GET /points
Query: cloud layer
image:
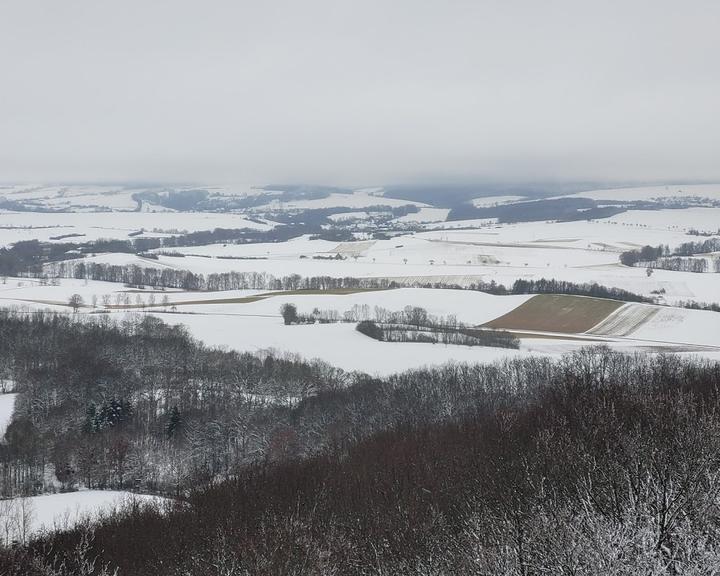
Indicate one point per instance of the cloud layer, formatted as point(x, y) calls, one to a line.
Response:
point(358, 92)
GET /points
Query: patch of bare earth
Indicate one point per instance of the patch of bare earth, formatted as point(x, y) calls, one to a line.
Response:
point(559, 313)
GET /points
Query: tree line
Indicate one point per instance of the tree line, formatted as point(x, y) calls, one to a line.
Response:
point(680, 259)
point(411, 324)
point(136, 275)
point(684, 264)
point(28, 257)
point(562, 210)
point(593, 289)
point(435, 334)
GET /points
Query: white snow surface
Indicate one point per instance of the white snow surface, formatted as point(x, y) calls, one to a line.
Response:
point(7, 407)
point(677, 286)
point(574, 251)
point(104, 197)
point(17, 226)
point(349, 216)
point(702, 219)
point(61, 511)
point(711, 191)
point(471, 307)
point(487, 201)
point(338, 344)
point(258, 326)
point(696, 327)
point(356, 199)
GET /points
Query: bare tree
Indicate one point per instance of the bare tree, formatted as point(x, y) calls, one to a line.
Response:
point(76, 302)
point(24, 515)
point(8, 520)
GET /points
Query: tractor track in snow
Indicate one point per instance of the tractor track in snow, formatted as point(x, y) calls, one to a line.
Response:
point(625, 320)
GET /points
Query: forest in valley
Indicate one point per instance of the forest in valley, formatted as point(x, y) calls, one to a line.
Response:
point(598, 463)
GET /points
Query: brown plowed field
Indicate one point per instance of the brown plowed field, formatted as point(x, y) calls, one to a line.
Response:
point(557, 313)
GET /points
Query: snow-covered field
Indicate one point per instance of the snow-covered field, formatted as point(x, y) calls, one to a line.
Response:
point(349, 216)
point(578, 252)
point(445, 252)
point(358, 199)
point(77, 197)
point(249, 320)
point(28, 516)
point(7, 406)
point(678, 325)
point(702, 219)
point(619, 233)
point(471, 307)
point(711, 191)
point(338, 344)
point(611, 235)
point(487, 201)
point(46, 227)
point(103, 197)
point(574, 251)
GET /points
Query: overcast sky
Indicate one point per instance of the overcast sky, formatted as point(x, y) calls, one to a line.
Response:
point(359, 93)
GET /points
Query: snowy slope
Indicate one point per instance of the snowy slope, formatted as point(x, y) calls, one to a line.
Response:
point(703, 219)
point(357, 199)
point(711, 191)
point(679, 325)
point(457, 264)
point(7, 407)
point(16, 226)
point(486, 201)
point(338, 344)
point(61, 511)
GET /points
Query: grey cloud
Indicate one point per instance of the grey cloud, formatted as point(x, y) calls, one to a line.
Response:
point(358, 92)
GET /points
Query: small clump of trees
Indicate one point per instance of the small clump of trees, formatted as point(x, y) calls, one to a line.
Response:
point(370, 329)
point(414, 324)
point(438, 334)
point(289, 313)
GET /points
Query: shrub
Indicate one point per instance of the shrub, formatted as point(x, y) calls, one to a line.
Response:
point(369, 328)
point(289, 313)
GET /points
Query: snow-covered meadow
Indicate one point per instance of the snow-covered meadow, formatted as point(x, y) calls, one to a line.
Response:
point(87, 227)
point(668, 191)
point(21, 519)
point(250, 320)
point(460, 253)
point(581, 252)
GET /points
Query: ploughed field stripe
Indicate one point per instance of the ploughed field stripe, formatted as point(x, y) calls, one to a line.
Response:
point(560, 313)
